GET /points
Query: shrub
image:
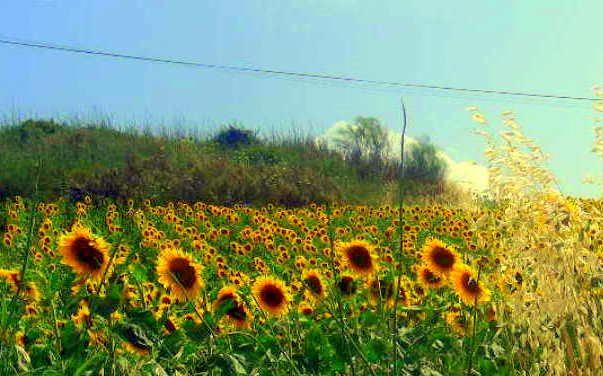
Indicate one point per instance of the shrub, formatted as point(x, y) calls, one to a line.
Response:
point(423, 163)
point(234, 136)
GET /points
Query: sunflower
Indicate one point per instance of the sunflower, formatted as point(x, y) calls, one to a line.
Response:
point(306, 308)
point(85, 253)
point(12, 278)
point(170, 324)
point(346, 285)
point(457, 322)
point(236, 312)
point(271, 295)
point(439, 257)
point(429, 279)
point(177, 271)
point(31, 292)
point(313, 281)
point(83, 315)
point(467, 287)
point(20, 338)
point(136, 348)
point(380, 291)
point(358, 256)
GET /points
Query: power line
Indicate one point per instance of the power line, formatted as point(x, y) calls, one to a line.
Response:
point(247, 69)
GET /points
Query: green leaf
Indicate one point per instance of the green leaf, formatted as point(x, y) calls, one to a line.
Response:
point(375, 349)
point(196, 333)
point(135, 335)
point(235, 364)
point(70, 338)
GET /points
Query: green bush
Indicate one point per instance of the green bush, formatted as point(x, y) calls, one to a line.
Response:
point(423, 163)
point(234, 136)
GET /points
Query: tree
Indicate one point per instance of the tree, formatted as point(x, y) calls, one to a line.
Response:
point(364, 143)
point(422, 163)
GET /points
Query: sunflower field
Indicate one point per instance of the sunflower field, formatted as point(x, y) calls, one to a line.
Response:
point(512, 284)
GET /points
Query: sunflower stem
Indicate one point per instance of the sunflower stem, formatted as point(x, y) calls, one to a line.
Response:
point(102, 281)
point(211, 331)
point(294, 367)
point(394, 333)
point(344, 328)
point(474, 312)
point(32, 220)
point(56, 327)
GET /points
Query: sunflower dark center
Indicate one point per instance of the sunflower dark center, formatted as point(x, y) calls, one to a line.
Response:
point(382, 289)
point(470, 284)
point(169, 326)
point(237, 312)
point(314, 284)
point(442, 257)
point(307, 311)
point(430, 277)
point(183, 272)
point(88, 254)
point(346, 285)
point(272, 296)
point(140, 346)
point(360, 257)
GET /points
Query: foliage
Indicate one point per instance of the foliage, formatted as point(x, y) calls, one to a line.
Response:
point(423, 163)
point(79, 159)
point(234, 136)
point(365, 144)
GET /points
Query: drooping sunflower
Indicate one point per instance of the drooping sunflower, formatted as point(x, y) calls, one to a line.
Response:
point(439, 257)
point(272, 295)
point(358, 255)
point(177, 271)
point(136, 348)
point(467, 287)
point(429, 279)
point(86, 253)
point(237, 312)
point(313, 281)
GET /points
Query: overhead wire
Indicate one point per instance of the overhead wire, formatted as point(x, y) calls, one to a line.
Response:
point(314, 78)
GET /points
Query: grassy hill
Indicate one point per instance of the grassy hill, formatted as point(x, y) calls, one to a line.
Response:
point(75, 160)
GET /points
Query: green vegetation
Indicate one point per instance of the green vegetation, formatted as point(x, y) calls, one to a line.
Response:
point(233, 166)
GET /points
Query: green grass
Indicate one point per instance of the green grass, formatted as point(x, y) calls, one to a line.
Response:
point(80, 158)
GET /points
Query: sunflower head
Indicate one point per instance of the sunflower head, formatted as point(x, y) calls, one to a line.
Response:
point(136, 348)
point(306, 308)
point(358, 255)
point(177, 271)
point(85, 253)
point(380, 290)
point(271, 295)
point(457, 322)
point(428, 279)
point(439, 257)
point(346, 285)
point(12, 277)
point(236, 311)
point(467, 287)
point(313, 281)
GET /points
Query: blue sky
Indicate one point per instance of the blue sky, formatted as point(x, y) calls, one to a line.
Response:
point(536, 46)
